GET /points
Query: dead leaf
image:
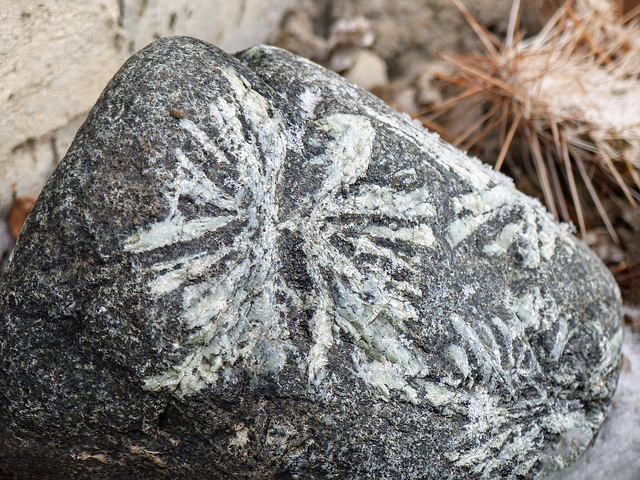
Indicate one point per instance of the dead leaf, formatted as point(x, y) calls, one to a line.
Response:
point(18, 213)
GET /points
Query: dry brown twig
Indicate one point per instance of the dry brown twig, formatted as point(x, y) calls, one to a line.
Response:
point(569, 95)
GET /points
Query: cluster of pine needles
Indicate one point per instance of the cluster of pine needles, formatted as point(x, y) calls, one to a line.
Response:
point(564, 103)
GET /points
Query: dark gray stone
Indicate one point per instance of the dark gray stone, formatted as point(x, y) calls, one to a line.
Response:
point(246, 267)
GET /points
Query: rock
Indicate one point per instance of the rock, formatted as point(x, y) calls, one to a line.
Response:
point(246, 267)
point(615, 452)
point(368, 70)
point(56, 57)
point(7, 241)
point(297, 33)
point(234, 25)
point(58, 54)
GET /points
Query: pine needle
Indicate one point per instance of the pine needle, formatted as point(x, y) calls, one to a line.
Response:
point(574, 188)
point(570, 93)
point(598, 203)
point(488, 40)
point(507, 142)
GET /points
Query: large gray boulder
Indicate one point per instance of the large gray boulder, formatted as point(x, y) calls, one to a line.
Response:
point(246, 267)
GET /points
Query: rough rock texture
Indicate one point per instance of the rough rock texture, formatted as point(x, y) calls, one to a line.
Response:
point(245, 267)
point(615, 453)
point(57, 55)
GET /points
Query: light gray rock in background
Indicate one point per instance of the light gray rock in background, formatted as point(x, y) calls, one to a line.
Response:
point(57, 55)
point(368, 71)
point(233, 25)
point(245, 267)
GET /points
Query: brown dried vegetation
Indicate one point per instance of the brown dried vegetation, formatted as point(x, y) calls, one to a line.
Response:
point(18, 213)
point(562, 109)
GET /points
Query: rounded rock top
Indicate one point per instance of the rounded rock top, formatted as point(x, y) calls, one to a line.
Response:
point(247, 267)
